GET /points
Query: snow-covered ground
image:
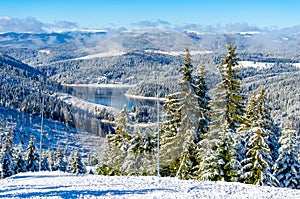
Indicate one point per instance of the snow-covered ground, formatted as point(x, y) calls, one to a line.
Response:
point(258, 65)
point(178, 53)
point(55, 134)
point(297, 65)
point(101, 85)
point(64, 185)
point(102, 54)
point(143, 97)
point(120, 52)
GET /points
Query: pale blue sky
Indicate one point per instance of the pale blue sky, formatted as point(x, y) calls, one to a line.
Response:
point(118, 13)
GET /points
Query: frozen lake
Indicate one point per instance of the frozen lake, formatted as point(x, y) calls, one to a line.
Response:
point(109, 95)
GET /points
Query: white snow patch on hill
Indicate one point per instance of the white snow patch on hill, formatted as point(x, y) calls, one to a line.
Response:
point(297, 65)
point(101, 85)
point(102, 54)
point(120, 53)
point(249, 33)
point(64, 185)
point(178, 53)
point(45, 51)
point(54, 133)
point(143, 97)
point(258, 65)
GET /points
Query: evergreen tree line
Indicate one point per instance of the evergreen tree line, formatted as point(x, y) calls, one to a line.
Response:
point(15, 160)
point(217, 137)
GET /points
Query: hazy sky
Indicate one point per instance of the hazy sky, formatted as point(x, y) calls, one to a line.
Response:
point(133, 13)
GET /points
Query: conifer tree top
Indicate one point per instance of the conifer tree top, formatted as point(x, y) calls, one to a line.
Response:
point(187, 68)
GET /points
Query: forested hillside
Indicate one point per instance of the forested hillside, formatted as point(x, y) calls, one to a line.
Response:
point(26, 89)
point(282, 83)
point(30, 91)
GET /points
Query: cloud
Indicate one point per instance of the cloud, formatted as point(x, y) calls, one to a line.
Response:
point(152, 24)
point(226, 28)
point(240, 27)
point(28, 24)
point(191, 26)
point(61, 25)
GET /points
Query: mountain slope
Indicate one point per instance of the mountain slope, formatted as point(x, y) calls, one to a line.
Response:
point(30, 91)
point(24, 126)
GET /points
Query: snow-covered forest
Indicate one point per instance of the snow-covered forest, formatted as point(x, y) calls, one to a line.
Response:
point(230, 115)
point(214, 137)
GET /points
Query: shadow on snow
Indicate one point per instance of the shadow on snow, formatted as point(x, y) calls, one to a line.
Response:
point(76, 193)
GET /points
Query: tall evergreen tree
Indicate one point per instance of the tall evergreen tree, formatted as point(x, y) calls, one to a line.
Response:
point(141, 157)
point(184, 123)
point(32, 158)
point(45, 163)
point(287, 166)
point(168, 131)
point(200, 87)
point(122, 122)
point(76, 165)
point(50, 160)
point(60, 160)
point(258, 110)
point(6, 157)
point(257, 165)
point(19, 159)
point(221, 160)
point(117, 145)
point(258, 119)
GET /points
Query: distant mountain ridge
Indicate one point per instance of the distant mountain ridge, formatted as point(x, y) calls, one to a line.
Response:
point(271, 41)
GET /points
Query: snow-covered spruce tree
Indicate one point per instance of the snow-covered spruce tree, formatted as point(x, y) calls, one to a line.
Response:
point(201, 91)
point(258, 119)
point(19, 159)
point(6, 157)
point(257, 165)
point(116, 147)
point(76, 165)
point(105, 165)
point(258, 114)
point(222, 159)
point(287, 166)
point(168, 132)
point(141, 156)
point(200, 87)
point(45, 163)
point(181, 130)
point(50, 160)
point(32, 157)
point(60, 162)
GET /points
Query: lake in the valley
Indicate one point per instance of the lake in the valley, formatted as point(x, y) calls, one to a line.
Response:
point(109, 95)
